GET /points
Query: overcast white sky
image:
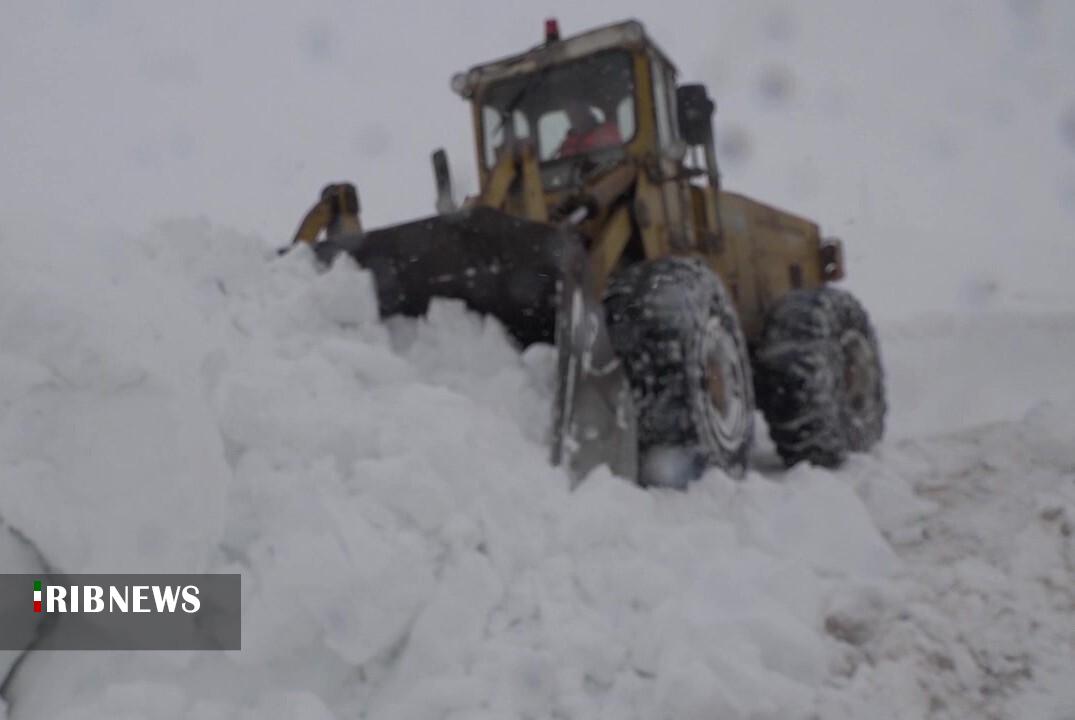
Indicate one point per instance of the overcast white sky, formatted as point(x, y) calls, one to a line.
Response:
point(936, 138)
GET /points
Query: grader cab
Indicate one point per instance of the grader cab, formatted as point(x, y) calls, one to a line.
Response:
point(601, 225)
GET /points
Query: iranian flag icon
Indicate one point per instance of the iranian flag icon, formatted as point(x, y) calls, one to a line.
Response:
point(37, 596)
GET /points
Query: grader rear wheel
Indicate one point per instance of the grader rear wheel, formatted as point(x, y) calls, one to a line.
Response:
point(819, 378)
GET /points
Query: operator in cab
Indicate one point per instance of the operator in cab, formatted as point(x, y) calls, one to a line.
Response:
point(587, 132)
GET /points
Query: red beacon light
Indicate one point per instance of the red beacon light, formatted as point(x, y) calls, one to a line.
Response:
point(552, 30)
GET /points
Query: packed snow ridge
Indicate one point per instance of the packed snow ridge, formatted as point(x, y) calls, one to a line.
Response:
point(186, 402)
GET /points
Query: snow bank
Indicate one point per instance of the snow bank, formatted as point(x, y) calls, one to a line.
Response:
point(953, 372)
point(183, 402)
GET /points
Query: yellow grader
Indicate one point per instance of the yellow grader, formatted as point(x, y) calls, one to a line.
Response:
point(601, 226)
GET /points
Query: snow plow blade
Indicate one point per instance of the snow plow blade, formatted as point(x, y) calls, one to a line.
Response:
point(534, 278)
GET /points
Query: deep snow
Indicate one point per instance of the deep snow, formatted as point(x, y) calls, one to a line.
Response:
point(178, 399)
point(407, 552)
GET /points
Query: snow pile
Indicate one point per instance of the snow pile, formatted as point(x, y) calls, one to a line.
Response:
point(182, 402)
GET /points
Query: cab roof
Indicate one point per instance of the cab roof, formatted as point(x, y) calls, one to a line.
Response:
point(628, 34)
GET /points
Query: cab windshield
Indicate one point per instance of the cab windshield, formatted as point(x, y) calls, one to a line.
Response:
point(579, 108)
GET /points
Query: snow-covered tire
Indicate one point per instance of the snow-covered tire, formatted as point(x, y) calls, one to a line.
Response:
point(818, 377)
point(677, 333)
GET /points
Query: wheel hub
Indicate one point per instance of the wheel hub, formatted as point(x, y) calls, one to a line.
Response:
point(715, 383)
point(724, 383)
